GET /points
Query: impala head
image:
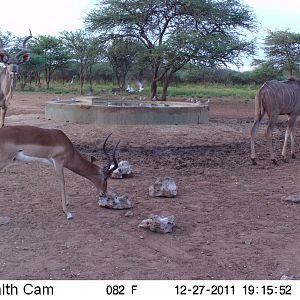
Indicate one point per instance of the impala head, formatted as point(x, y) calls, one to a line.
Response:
point(12, 62)
point(108, 168)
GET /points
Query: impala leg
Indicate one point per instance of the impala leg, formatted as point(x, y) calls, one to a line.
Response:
point(253, 134)
point(269, 132)
point(60, 173)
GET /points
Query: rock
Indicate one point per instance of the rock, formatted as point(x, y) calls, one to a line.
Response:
point(111, 200)
point(163, 188)
point(162, 224)
point(287, 277)
point(129, 214)
point(124, 170)
point(4, 220)
point(293, 198)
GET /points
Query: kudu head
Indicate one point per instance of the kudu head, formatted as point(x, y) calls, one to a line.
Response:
point(12, 62)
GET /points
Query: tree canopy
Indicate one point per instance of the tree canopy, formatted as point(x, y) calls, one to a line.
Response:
point(282, 49)
point(176, 32)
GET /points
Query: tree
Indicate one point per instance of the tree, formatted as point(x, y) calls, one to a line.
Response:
point(282, 49)
point(6, 37)
point(32, 70)
point(54, 54)
point(94, 53)
point(175, 32)
point(122, 56)
point(264, 71)
point(82, 50)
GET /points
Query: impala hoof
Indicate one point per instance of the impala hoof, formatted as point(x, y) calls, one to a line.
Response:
point(254, 163)
point(69, 216)
point(294, 156)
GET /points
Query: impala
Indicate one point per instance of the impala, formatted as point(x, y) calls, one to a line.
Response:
point(53, 147)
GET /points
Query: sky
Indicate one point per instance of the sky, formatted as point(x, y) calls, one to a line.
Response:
point(46, 17)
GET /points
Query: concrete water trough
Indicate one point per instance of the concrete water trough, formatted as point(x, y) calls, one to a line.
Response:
point(127, 112)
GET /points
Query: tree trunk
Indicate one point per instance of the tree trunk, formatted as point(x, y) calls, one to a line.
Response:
point(90, 79)
point(166, 81)
point(81, 78)
point(154, 82)
point(39, 80)
point(153, 90)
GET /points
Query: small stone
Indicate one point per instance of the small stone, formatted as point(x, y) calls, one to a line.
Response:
point(69, 216)
point(129, 214)
point(4, 220)
point(287, 277)
point(163, 188)
point(161, 224)
point(248, 242)
point(111, 200)
point(116, 174)
point(124, 170)
point(293, 198)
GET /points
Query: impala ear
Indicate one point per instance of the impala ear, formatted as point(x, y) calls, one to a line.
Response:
point(93, 159)
point(25, 58)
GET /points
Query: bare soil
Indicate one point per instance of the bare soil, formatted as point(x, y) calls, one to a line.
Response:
point(230, 220)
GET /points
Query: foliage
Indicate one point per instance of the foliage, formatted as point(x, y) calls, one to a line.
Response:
point(53, 52)
point(282, 49)
point(82, 48)
point(175, 32)
point(7, 38)
point(122, 54)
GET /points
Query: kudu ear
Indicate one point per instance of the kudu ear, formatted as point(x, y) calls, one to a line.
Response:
point(24, 58)
point(3, 58)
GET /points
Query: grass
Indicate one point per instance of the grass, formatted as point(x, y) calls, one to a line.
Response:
point(244, 92)
point(213, 90)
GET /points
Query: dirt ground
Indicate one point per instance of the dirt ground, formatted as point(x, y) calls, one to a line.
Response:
point(230, 220)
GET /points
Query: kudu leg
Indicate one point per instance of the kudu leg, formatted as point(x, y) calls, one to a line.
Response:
point(253, 134)
point(272, 123)
point(3, 113)
point(289, 132)
point(293, 133)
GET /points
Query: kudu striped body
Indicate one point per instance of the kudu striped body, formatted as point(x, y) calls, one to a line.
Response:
point(277, 98)
point(8, 76)
point(53, 147)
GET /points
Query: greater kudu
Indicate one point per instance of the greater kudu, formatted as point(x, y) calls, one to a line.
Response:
point(8, 76)
point(277, 98)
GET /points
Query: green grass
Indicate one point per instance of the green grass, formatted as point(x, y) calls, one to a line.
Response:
point(213, 90)
point(180, 90)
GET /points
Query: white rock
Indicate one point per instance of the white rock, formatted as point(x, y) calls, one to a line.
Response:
point(163, 188)
point(69, 216)
point(162, 224)
point(111, 200)
point(287, 277)
point(129, 214)
point(124, 170)
point(293, 198)
point(4, 220)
